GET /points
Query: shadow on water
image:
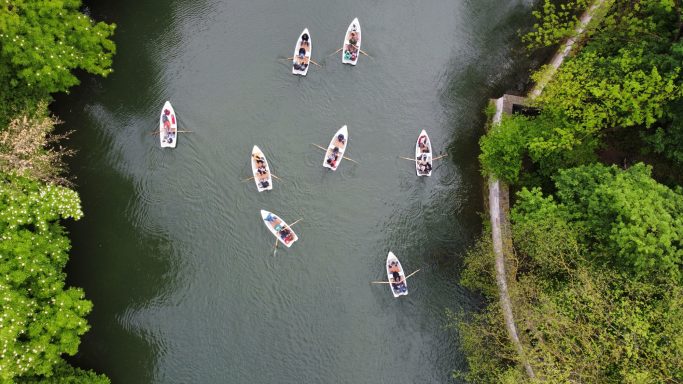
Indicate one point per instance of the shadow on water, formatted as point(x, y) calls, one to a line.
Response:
point(449, 222)
point(130, 266)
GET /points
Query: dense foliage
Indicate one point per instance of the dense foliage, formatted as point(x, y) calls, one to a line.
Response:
point(596, 283)
point(41, 43)
point(597, 295)
point(626, 76)
point(40, 319)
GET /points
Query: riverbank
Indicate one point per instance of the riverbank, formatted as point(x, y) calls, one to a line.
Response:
point(547, 254)
point(42, 318)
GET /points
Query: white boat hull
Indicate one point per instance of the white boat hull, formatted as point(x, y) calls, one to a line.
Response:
point(331, 159)
point(400, 288)
point(264, 181)
point(275, 225)
point(168, 136)
point(350, 52)
point(423, 155)
point(305, 60)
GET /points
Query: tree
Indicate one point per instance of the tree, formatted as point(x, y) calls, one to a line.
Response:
point(503, 148)
point(625, 217)
point(41, 43)
point(40, 319)
point(27, 147)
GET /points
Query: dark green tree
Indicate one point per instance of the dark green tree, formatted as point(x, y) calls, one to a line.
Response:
point(626, 218)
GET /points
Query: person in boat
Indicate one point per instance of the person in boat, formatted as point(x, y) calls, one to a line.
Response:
point(271, 218)
point(341, 139)
point(353, 37)
point(397, 279)
point(423, 165)
point(264, 183)
point(422, 143)
point(166, 121)
point(333, 157)
point(261, 170)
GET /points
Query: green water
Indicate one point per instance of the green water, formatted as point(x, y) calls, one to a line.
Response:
point(172, 250)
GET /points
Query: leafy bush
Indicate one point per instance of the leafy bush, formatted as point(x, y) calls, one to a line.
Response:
point(503, 148)
point(41, 43)
point(40, 319)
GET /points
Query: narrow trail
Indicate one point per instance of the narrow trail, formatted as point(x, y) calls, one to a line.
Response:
point(498, 196)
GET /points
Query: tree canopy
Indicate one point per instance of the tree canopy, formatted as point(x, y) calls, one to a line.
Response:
point(624, 216)
point(41, 43)
point(40, 318)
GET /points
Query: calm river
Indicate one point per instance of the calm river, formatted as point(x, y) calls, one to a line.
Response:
point(172, 249)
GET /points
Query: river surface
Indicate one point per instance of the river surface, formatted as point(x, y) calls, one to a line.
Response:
point(172, 250)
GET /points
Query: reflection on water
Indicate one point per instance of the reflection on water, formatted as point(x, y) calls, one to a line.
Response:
point(173, 250)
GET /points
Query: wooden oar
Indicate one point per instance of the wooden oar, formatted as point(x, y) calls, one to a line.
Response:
point(412, 274)
point(276, 177)
point(289, 225)
point(438, 157)
point(311, 60)
point(288, 58)
point(407, 158)
point(325, 149)
point(248, 179)
point(157, 132)
point(335, 51)
point(350, 159)
point(319, 146)
point(388, 282)
point(363, 52)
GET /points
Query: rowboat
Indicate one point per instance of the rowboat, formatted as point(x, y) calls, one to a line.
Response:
point(397, 278)
point(351, 51)
point(335, 151)
point(279, 228)
point(168, 127)
point(261, 171)
point(423, 155)
point(302, 54)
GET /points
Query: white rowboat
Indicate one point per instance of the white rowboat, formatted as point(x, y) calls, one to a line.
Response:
point(261, 170)
point(301, 62)
point(423, 155)
point(168, 127)
point(334, 156)
point(350, 52)
point(397, 278)
point(279, 228)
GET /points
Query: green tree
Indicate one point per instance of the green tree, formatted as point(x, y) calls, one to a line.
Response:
point(41, 43)
point(624, 216)
point(626, 76)
point(503, 149)
point(40, 319)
